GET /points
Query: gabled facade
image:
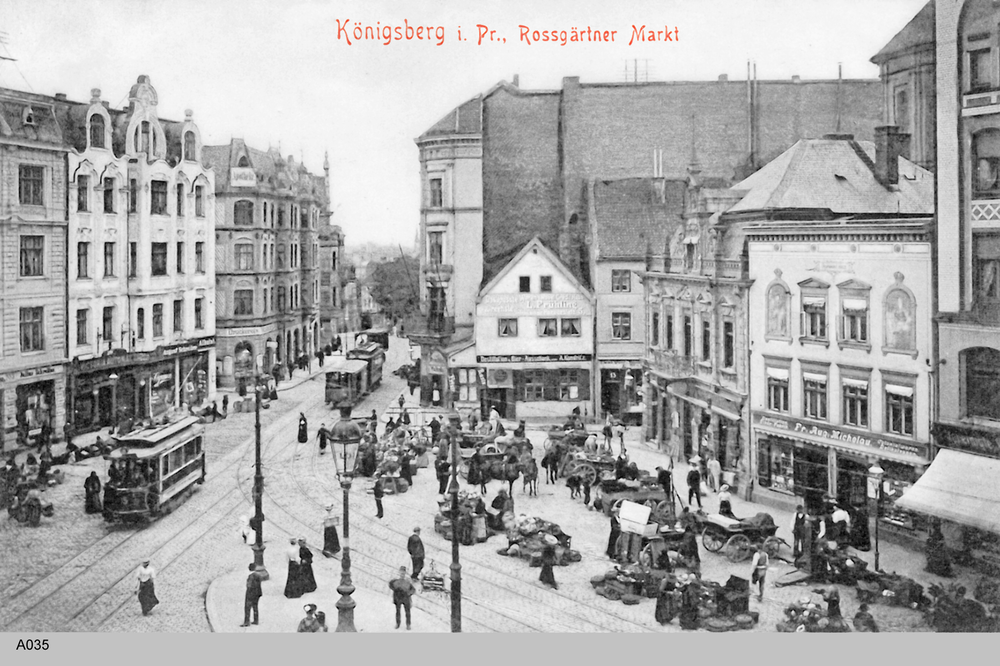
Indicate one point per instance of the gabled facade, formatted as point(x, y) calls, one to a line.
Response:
point(32, 270)
point(268, 211)
point(534, 338)
point(141, 274)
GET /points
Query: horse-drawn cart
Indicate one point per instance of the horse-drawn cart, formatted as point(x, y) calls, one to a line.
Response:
point(738, 537)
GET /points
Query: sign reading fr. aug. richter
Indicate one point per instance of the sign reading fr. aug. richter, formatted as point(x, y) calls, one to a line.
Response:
point(504, 304)
point(858, 439)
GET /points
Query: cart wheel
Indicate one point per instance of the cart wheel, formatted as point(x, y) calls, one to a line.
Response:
point(586, 472)
point(772, 545)
point(738, 548)
point(570, 467)
point(713, 540)
point(662, 512)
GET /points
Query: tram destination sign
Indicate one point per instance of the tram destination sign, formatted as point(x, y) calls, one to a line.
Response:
point(534, 358)
point(839, 435)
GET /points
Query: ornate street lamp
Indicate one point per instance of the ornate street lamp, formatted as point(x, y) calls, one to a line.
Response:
point(258, 489)
point(875, 473)
point(345, 439)
point(114, 400)
point(454, 437)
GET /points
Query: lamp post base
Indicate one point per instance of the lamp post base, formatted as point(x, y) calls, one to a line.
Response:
point(258, 561)
point(345, 605)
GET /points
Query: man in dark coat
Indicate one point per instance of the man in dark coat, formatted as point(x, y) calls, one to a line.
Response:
point(405, 470)
point(663, 478)
point(416, 549)
point(402, 595)
point(694, 484)
point(379, 492)
point(435, 427)
point(252, 598)
point(443, 468)
point(92, 488)
point(321, 435)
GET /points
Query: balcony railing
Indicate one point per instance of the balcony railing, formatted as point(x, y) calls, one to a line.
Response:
point(672, 365)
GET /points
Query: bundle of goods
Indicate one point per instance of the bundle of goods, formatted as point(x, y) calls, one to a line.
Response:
point(891, 589)
point(527, 537)
point(628, 583)
point(952, 611)
point(806, 615)
point(839, 566)
point(988, 591)
point(431, 579)
point(390, 472)
point(471, 520)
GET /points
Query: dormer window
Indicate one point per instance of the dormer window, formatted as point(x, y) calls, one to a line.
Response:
point(97, 131)
point(28, 117)
point(190, 153)
point(243, 163)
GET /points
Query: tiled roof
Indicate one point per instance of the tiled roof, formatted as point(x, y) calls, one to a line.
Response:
point(44, 126)
point(918, 32)
point(273, 171)
point(636, 213)
point(463, 119)
point(837, 175)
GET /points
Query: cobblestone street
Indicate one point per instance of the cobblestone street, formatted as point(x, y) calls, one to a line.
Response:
point(76, 573)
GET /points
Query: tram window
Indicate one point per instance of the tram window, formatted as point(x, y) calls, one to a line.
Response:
point(191, 450)
point(166, 467)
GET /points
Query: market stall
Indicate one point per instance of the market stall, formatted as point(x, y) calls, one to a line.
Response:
point(526, 538)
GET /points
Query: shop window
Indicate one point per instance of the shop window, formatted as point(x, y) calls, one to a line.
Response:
point(524, 284)
point(82, 326)
point(621, 326)
point(728, 344)
point(31, 185)
point(199, 201)
point(82, 261)
point(199, 322)
point(158, 197)
point(706, 340)
point(814, 395)
point(534, 385)
point(777, 389)
point(140, 323)
point(569, 327)
point(109, 260)
point(545, 284)
point(980, 70)
point(986, 164)
point(437, 194)
point(243, 213)
point(97, 131)
point(775, 466)
point(547, 328)
point(109, 195)
point(621, 280)
point(468, 390)
point(899, 409)
point(654, 329)
point(32, 253)
point(507, 328)
point(982, 382)
point(855, 402)
point(83, 194)
point(569, 384)
point(158, 320)
point(158, 258)
point(32, 329)
point(244, 257)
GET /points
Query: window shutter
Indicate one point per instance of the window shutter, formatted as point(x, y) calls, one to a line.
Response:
point(584, 389)
point(551, 385)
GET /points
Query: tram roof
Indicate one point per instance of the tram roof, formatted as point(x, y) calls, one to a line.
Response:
point(149, 442)
point(351, 366)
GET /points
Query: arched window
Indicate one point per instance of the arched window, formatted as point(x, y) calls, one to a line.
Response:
point(97, 131)
point(243, 213)
point(244, 162)
point(190, 154)
point(986, 164)
point(146, 143)
point(778, 305)
point(982, 382)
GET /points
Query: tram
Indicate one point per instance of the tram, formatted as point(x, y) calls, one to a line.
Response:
point(374, 357)
point(158, 469)
point(355, 376)
point(376, 334)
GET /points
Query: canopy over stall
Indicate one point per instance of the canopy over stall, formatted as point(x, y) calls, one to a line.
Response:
point(959, 487)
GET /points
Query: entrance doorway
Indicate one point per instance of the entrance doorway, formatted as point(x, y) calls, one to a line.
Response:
point(496, 398)
point(611, 392)
point(104, 416)
point(852, 482)
point(810, 474)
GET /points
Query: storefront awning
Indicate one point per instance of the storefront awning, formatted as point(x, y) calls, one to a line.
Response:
point(959, 487)
point(855, 304)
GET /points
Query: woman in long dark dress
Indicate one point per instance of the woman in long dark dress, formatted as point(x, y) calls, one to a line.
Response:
point(666, 603)
point(146, 590)
point(292, 585)
point(307, 581)
point(548, 561)
point(331, 540)
point(690, 596)
point(616, 532)
point(92, 488)
point(303, 429)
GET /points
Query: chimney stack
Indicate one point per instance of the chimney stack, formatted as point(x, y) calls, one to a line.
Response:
point(890, 145)
point(723, 77)
point(516, 81)
point(60, 97)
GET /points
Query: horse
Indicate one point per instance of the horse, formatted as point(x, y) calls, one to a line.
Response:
point(530, 470)
point(511, 470)
point(551, 464)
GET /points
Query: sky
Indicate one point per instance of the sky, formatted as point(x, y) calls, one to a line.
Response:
point(287, 73)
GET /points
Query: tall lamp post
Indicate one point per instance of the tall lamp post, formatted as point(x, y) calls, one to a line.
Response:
point(345, 439)
point(114, 400)
point(454, 427)
point(258, 490)
point(875, 473)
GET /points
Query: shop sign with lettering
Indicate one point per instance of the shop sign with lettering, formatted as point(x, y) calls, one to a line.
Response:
point(527, 304)
point(246, 331)
point(436, 363)
point(973, 440)
point(30, 372)
point(242, 177)
point(534, 358)
point(868, 442)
